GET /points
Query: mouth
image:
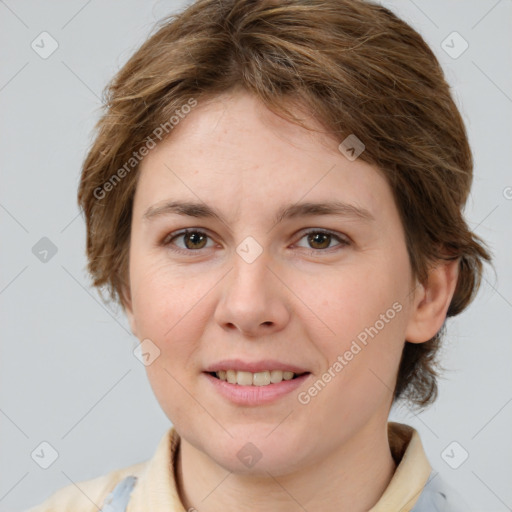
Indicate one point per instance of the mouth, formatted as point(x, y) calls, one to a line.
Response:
point(254, 383)
point(261, 378)
point(251, 384)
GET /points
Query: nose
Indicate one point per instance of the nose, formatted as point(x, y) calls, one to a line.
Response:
point(253, 299)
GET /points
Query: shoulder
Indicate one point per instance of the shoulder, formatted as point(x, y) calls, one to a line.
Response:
point(88, 495)
point(439, 496)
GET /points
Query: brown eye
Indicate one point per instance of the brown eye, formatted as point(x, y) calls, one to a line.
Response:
point(192, 240)
point(321, 240)
point(195, 240)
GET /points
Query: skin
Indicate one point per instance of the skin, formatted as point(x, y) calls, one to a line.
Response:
point(300, 302)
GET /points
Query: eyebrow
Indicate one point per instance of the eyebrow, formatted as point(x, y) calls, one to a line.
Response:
point(305, 209)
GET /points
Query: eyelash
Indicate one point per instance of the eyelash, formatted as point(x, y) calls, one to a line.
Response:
point(166, 242)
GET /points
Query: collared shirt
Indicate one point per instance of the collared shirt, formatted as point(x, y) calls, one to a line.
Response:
point(151, 486)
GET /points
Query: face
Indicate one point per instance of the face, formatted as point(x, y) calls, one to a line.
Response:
point(317, 291)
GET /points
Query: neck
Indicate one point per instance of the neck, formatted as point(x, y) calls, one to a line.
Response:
point(352, 478)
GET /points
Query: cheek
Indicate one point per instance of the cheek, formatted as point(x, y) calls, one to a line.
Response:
point(366, 315)
point(163, 309)
point(166, 306)
point(162, 296)
point(352, 301)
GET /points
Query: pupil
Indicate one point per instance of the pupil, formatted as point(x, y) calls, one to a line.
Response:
point(192, 237)
point(314, 238)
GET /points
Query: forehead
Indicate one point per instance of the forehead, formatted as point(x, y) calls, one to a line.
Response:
point(234, 154)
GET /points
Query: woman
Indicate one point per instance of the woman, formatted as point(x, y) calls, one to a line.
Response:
point(275, 198)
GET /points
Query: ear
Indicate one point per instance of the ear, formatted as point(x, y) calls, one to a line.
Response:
point(126, 300)
point(431, 300)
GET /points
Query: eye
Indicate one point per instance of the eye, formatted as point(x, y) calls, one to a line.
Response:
point(193, 239)
point(320, 240)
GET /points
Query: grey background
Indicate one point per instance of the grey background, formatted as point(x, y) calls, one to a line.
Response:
point(68, 374)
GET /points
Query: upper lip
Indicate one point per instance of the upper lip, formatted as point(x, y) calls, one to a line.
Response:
point(254, 366)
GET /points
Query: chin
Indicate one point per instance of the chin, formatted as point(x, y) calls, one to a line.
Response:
point(252, 451)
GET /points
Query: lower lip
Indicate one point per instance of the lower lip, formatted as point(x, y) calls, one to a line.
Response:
point(256, 395)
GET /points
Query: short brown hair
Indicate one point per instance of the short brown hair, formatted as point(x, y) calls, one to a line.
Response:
point(357, 68)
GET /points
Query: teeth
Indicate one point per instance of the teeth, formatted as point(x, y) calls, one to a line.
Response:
point(254, 379)
point(261, 379)
point(244, 378)
point(230, 376)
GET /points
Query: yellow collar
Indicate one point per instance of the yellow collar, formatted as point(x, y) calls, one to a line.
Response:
point(156, 489)
point(411, 474)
